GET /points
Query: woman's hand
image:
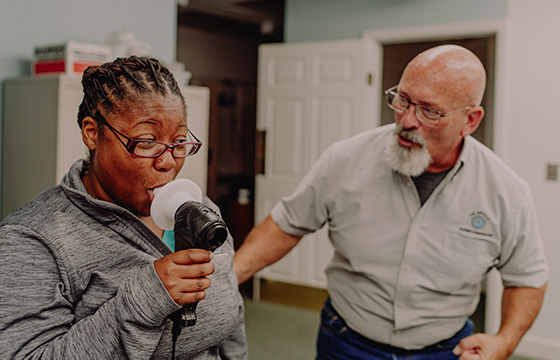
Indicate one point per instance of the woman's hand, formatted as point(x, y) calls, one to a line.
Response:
point(184, 274)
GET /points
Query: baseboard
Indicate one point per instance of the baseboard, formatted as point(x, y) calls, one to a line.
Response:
point(538, 348)
point(293, 295)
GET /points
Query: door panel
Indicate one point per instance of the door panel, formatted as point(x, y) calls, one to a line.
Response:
point(285, 71)
point(286, 125)
point(333, 69)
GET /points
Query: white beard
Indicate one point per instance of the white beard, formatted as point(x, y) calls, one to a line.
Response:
point(407, 160)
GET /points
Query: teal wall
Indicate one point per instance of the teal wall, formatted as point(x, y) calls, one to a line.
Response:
point(318, 20)
point(27, 23)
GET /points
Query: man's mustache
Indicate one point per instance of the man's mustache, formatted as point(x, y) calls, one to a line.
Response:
point(410, 135)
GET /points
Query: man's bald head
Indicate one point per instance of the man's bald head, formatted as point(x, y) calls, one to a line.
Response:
point(454, 69)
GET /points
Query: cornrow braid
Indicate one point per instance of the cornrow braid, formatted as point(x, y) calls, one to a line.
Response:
point(114, 85)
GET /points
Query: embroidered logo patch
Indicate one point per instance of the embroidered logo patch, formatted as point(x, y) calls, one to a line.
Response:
point(478, 221)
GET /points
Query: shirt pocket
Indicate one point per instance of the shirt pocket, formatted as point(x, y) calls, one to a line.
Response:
point(464, 261)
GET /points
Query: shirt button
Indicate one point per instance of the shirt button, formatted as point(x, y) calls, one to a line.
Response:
point(401, 305)
point(397, 332)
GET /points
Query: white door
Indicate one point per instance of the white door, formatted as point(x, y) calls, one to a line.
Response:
point(309, 96)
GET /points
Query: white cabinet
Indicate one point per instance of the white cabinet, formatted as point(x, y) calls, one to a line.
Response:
point(41, 137)
point(197, 99)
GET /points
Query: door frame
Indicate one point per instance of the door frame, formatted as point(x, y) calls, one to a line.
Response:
point(494, 287)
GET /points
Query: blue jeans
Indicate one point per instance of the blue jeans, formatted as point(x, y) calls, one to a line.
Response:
point(338, 342)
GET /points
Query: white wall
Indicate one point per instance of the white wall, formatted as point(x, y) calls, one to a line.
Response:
point(531, 141)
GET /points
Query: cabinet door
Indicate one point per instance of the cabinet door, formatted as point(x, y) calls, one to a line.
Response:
point(69, 145)
point(29, 139)
point(195, 167)
point(309, 96)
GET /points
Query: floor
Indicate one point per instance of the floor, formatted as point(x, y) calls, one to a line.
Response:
point(280, 332)
point(284, 323)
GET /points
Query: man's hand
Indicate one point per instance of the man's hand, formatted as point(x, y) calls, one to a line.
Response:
point(184, 274)
point(483, 347)
point(520, 306)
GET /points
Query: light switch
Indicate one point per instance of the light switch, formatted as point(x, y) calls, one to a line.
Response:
point(552, 172)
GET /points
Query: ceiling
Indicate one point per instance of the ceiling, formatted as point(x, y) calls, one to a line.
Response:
point(265, 13)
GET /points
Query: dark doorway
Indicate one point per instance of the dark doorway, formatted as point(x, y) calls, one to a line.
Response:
point(396, 56)
point(218, 43)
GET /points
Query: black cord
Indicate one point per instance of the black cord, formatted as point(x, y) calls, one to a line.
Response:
point(176, 330)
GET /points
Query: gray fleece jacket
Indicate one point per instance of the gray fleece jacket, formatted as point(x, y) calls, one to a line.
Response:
point(77, 281)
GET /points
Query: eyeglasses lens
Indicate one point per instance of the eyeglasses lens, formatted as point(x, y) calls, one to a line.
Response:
point(400, 104)
point(153, 149)
point(396, 102)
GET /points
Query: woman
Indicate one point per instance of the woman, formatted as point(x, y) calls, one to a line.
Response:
point(84, 272)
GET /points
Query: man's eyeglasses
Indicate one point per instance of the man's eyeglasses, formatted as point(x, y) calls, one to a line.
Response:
point(152, 149)
point(426, 115)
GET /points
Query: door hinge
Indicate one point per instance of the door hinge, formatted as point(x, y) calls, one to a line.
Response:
point(260, 151)
point(369, 78)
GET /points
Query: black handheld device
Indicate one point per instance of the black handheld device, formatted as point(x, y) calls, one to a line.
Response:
point(196, 226)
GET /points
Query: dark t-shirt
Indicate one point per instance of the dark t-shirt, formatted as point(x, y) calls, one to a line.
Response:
point(427, 182)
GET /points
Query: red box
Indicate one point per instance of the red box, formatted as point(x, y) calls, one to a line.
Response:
point(71, 58)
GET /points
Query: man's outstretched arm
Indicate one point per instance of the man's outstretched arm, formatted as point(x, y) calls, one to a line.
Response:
point(264, 245)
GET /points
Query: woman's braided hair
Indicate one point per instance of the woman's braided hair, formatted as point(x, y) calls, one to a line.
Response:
point(114, 86)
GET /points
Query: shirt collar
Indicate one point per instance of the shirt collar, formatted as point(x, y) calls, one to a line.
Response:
point(463, 156)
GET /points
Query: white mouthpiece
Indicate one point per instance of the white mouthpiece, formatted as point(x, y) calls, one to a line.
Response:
point(168, 198)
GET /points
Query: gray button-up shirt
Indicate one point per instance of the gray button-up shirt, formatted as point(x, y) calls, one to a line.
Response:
point(405, 274)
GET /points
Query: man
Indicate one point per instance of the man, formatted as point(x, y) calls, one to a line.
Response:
point(418, 213)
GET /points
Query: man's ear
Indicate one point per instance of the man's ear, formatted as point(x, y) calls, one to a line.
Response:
point(474, 118)
point(90, 132)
